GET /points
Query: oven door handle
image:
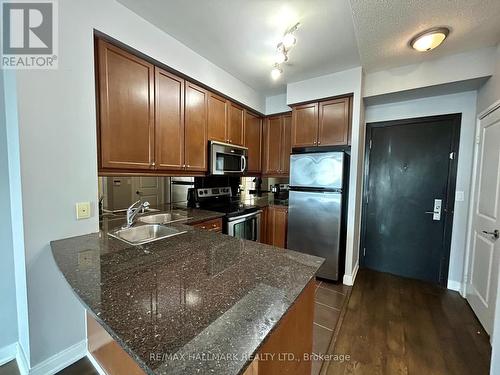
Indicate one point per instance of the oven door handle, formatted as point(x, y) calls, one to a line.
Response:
point(244, 163)
point(256, 213)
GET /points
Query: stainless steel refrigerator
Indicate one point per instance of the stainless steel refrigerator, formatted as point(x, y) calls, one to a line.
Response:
point(317, 208)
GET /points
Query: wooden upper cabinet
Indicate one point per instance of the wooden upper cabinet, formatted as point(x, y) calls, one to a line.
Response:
point(305, 125)
point(169, 121)
point(195, 130)
point(235, 130)
point(273, 145)
point(334, 122)
point(126, 102)
point(253, 137)
point(217, 118)
point(286, 144)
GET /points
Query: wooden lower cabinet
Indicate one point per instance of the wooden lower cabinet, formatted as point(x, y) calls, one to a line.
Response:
point(106, 351)
point(214, 225)
point(276, 226)
point(285, 351)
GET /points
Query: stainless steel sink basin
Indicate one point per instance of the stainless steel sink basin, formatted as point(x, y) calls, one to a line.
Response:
point(143, 234)
point(164, 218)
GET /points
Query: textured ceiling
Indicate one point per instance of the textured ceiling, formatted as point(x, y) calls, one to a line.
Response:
point(240, 35)
point(384, 27)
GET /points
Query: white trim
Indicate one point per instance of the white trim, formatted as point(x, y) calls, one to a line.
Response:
point(8, 353)
point(22, 362)
point(488, 110)
point(455, 285)
point(349, 279)
point(96, 364)
point(61, 360)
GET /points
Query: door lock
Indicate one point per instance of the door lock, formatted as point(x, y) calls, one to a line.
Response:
point(495, 234)
point(436, 214)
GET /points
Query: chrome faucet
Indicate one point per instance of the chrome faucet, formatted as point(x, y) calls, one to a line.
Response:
point(132, 212)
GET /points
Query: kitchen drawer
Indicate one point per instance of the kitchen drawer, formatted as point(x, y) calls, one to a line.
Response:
point(214, 225)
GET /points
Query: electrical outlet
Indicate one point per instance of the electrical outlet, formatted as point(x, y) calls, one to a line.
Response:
point(82, 210)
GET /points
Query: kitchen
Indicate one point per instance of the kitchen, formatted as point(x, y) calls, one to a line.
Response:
point(184, 203)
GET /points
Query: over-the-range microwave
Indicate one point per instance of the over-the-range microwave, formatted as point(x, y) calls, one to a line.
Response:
point(227, 159)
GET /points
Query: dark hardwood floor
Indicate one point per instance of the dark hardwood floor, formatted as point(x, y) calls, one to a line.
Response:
point(394, 325)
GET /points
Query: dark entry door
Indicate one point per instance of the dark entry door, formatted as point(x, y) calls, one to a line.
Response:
point(411, 167)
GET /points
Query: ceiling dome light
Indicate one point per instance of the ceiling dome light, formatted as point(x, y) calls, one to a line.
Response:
point(288, 40)
point(276, 72)
point(429, 39)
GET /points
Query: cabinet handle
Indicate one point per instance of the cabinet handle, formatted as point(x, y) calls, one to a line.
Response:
point(214, 225)
point(187, 165)
point(319, 142)
point(203, 227)
point(153, 164)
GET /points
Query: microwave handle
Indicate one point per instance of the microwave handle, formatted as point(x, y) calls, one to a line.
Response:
point(244, 163)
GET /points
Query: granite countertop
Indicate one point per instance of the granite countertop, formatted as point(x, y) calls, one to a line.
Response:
point(196, 303)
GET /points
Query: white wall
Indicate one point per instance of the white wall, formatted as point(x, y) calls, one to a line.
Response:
point(490, 92)
point(464, 103)
point(276, 104)
point(8, 309)
point(460, 67)
point(341, 83)
point(57, 129)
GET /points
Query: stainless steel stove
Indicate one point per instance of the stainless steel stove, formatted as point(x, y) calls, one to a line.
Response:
point(240, 220)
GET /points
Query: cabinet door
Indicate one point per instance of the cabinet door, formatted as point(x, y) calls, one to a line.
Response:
point(273, 145)
point(263, 225)
point(286, 142)
point(253, 136)
point(126, 109)
point(195, 128)
point(217, 118)
point(235, 125)
point(334, 122)
point(305, 125)
point(169, 121)
point(277, 226)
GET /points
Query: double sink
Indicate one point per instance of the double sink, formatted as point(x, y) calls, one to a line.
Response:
point(153, 228)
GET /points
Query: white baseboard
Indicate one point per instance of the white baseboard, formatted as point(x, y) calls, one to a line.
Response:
point(455, 285)
point(96, 364)
point(22, 361)
point(349, 279)
point(8, 353)
point(61, 360)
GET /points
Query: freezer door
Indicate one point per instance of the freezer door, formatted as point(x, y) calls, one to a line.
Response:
point(317, 170)
point(314, 228)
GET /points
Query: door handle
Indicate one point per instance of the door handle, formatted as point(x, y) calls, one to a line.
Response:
point(495, 233)
point(436, 214)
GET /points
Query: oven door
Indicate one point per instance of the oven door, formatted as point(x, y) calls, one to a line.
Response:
point(227, 159)
point(246, 226)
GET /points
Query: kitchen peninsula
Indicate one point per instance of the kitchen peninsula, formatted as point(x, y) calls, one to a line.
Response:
point(196, 303)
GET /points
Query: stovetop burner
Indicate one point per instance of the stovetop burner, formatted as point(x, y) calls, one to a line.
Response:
point(220, 200)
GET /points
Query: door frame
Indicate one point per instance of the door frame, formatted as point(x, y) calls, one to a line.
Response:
point(456, 119)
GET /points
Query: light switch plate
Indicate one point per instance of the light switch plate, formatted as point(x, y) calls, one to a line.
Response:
point(459, 196)
point(82, 210)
